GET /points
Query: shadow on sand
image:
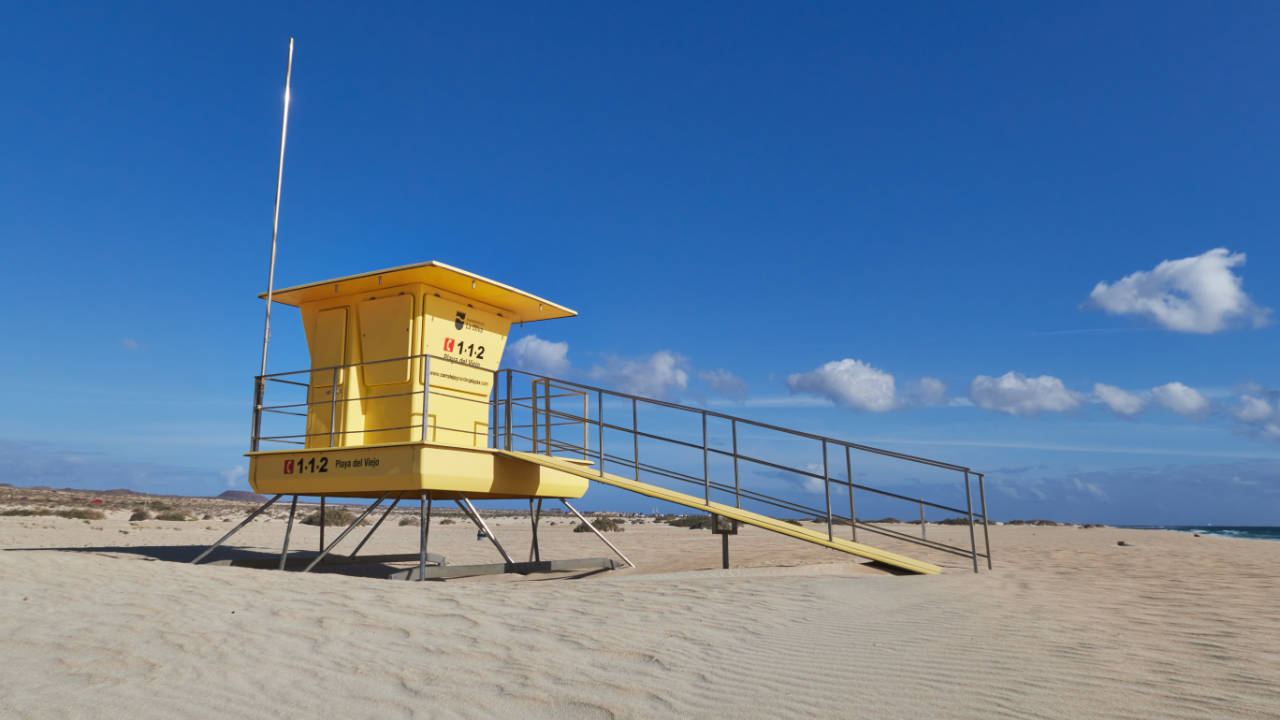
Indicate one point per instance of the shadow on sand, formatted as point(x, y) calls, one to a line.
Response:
point(372, 566)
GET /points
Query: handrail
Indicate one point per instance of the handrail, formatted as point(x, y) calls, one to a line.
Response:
point(543, 419)
point(748, 458)
point(540, 408)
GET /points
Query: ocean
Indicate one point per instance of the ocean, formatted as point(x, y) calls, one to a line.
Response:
point(1255, 532)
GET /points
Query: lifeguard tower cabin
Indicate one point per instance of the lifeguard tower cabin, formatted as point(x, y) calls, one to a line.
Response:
point(403, 362)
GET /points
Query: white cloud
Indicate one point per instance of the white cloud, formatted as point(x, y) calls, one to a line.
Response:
point(926, 391)
point(541, 357)
point(1197, 294)
point(813, 485)
point(129, 343)
point(848, 382)
point(1120, 402)
point(1253, 409)
point(1180, 398)
point(1018, 394)
point(1092, 488)
point(1259, 412)
point(725, 383)
point(233, 477)
point(656, 376)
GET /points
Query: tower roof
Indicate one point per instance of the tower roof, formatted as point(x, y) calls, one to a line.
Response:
point(521, 306)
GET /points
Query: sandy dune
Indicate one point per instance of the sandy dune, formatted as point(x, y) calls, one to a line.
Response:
point(1069, 625)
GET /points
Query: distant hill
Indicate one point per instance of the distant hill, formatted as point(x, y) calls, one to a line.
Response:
point(242, 495)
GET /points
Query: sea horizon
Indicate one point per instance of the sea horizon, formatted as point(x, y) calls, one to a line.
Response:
point(1248, 532)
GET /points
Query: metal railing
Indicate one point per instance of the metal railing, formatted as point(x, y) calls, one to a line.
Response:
point(535, 424)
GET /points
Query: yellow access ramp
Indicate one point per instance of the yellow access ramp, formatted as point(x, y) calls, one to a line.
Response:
point(745, 516)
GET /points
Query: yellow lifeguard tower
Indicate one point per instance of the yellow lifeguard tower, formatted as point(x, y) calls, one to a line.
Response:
point(403, 363)
point(404, 399)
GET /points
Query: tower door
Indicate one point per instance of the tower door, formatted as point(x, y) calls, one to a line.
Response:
point(326, 412)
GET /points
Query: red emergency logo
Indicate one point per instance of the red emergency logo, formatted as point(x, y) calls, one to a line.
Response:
point(288, 467)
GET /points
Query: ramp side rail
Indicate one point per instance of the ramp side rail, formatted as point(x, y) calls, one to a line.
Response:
point(529, 423)
point(536, 423)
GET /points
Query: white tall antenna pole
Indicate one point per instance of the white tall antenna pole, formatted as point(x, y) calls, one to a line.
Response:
point(275, 221)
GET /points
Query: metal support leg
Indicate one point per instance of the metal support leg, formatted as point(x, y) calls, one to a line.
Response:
point(535, 552)
point(470, 510)
point(600, 535)
point(986, 538)
point(321, 548)
point(237, 528)
point(853, 517)
point(424, 529)
point(724, 550)
point(973, 541)
point(376, 525)
point(284, 552)
point(826, 487)
point(344, 533)
point(924, 526)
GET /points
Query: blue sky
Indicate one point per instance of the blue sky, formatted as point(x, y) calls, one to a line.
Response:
point(809, 200)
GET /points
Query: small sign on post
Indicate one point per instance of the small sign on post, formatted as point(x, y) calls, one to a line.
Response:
point(724, 527)
point(721, 525)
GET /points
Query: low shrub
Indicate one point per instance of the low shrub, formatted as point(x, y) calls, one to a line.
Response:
point(172, 515)
point(693, 522)
point(447, 521)
point(24, 512)
point(603, 524)
point(140, 514)
point(332, 516)
point(834, 520)
point(81, 514)
point(408, 520)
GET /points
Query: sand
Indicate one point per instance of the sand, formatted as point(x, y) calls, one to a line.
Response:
point(1069, 625)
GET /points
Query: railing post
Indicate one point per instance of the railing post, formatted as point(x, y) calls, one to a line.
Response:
point(600, 425)
point(853, 518)
point(986, 538)
point(826, 486)
point(493, 410)
point(924, 535)
point(586, 437)
point(333, 406)
point(635, 437)
point(973, 541)
point(259, 390)
point(426, 391)
point(546, 417)
point(737, 489)
point(533, 413)
point(507, 411)
point(706, 474)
